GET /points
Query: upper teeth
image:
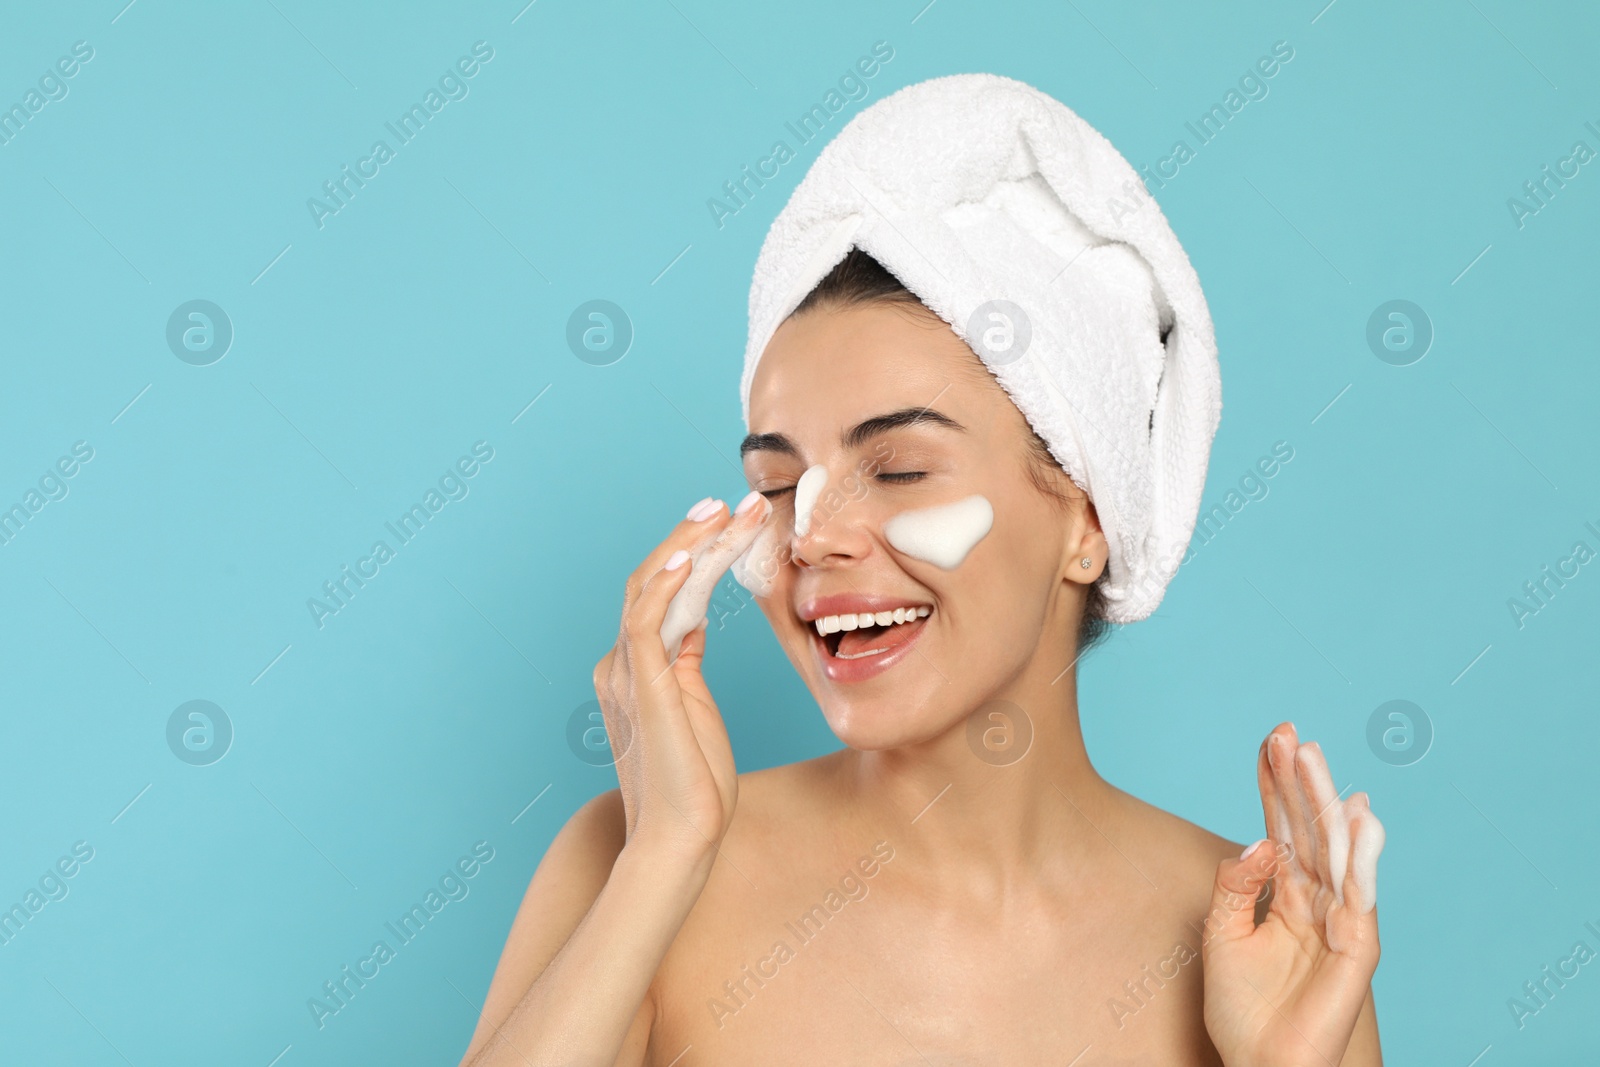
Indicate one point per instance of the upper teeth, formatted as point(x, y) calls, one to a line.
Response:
point(830, 624)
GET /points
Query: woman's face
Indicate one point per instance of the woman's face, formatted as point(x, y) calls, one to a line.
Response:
point(904, 416)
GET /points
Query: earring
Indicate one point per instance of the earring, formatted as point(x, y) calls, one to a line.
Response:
point(1086, 563)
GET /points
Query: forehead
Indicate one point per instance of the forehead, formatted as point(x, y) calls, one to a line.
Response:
point(829, 367)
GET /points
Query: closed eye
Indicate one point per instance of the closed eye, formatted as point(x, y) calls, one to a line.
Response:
point(895, 478)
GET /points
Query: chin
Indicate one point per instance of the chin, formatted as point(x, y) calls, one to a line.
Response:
point(868, 725)
point(907, 701)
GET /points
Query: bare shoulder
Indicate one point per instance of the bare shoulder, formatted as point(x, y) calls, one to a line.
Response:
point(581, 855)
point(775, 796)
point(1185, 854)
point(595, 832)
point(570, 876)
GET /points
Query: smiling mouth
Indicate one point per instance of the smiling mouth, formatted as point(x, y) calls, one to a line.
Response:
point(849, 637)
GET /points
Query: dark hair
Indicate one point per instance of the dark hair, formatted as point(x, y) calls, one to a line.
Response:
point(859, 279)
point(856, 279)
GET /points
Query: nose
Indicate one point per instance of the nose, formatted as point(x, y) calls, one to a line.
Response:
point(824, 530)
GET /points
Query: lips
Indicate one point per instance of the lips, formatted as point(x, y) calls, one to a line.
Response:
point(853, 603)
point(863, 648)
point(870, 640)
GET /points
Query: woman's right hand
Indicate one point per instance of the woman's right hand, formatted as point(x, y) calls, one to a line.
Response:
point(599, 916)
point(674, 762)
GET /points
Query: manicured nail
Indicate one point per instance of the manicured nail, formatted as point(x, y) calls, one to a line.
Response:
point(676, 560)
point(748, 502)
point(1246, 853)
point(704, 509)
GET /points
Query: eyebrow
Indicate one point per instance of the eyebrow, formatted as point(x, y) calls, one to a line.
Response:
point(857, 435)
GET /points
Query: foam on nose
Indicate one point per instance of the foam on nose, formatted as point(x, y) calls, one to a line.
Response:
point(806, 492)
point(944, 534)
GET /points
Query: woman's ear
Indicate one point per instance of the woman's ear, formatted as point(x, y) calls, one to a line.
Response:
point(1086, 548)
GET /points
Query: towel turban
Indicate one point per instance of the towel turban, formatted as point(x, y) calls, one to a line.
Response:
point(1019, 225)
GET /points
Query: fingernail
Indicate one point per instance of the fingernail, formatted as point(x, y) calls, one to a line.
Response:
point(704, 509)
point(748, 502)
point(1246, 853)
point(676, 560)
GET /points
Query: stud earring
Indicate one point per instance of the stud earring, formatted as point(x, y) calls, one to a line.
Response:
point(1086, 563)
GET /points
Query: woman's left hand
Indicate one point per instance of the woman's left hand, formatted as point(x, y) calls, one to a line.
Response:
point(1288, 992)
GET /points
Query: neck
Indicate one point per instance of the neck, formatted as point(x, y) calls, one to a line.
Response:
point(984, 803)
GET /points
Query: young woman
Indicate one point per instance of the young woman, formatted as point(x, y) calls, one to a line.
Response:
point(957, 884)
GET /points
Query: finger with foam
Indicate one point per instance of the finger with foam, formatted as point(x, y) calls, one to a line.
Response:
point(710, 560)
point(757, 567)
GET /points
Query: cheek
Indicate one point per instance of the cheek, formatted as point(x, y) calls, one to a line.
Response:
point(999, 597)
point(997, 617)
point(941, 535)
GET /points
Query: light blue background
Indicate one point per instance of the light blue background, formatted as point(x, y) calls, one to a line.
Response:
point(427, 314)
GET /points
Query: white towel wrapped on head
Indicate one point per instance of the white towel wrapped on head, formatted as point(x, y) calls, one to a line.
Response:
point(1023, 228)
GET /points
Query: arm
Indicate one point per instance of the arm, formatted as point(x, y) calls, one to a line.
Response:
point(592, 929)
point(620, 879)
point(1364, 1050)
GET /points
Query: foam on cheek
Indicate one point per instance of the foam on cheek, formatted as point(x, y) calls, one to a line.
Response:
point(806, 492)
point(941, 535)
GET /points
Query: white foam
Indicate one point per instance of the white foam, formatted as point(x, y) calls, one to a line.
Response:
point(1332, 821)
point(710, 560)
point(944, 534)
point(757, 566)
point(1368, 836)
point(806, 492)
